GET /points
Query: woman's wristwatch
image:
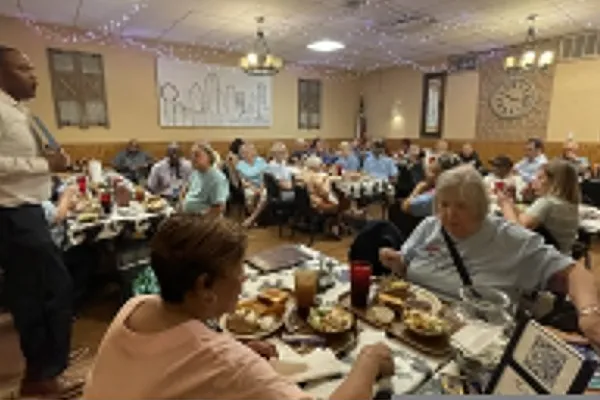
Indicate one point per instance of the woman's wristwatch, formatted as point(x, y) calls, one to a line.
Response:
point(593, 309)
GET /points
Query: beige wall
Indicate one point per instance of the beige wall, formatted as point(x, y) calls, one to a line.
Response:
point(460, 115)
point(575, 104)
point(393, 102)
point(133, 104)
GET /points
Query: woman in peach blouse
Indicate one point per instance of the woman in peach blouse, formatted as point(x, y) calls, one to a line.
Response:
point(162, 348)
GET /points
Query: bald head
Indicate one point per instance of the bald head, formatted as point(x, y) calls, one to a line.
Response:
point(17, 76)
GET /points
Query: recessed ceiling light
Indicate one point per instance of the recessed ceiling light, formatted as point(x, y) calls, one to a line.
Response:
point(326, 46)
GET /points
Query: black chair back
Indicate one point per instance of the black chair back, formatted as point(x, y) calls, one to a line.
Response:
point(302, 203)
point(417, 172)
point(272, 186)
point(405, 182)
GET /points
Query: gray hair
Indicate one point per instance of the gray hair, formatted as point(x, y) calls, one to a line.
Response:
point(277, 147)
point(202, 146)
point(466, 183)
point(345, 146)
point(313, 162)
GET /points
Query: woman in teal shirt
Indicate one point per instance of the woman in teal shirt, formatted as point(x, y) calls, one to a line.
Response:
point(208, 188)
point(251, 168)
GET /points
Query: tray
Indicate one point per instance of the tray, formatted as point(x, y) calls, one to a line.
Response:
point(279, 258)
point(437, 346)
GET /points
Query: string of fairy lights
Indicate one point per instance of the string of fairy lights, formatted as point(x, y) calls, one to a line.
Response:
point(335, 65)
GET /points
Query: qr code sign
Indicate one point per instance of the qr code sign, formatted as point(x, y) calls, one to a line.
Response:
point(545, 361)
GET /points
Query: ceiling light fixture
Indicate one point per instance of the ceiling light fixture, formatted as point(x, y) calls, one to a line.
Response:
point(259, 61)
point(326, 46)
point(529, 59)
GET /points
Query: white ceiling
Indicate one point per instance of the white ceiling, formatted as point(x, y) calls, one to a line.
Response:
point(461, 25)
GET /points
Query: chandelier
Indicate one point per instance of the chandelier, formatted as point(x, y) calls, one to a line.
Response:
point(529, 59)
point(260, 61)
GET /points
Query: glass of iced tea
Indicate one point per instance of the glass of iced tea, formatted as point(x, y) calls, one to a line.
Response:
point(305, 289)
point(360, 283)
point(140, 194)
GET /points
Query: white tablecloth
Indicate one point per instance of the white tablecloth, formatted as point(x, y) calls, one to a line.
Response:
point(412, 367)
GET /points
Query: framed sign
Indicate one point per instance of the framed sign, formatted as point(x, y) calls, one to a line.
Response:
point(538, 362)
point(432, 110)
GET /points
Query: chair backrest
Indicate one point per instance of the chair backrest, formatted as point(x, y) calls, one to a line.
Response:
point(272, 186)
point(405, 182)
point(301, 198)
point(418, 172)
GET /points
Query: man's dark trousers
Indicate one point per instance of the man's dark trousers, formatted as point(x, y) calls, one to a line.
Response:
point(38, 290)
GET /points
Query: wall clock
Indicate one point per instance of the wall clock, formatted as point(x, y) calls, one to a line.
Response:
point(514, 98)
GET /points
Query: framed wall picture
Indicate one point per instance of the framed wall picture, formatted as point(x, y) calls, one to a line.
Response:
point(536, 361)
point(432, 110)
point(78, 88)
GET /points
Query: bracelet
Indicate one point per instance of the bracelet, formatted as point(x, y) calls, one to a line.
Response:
point(589, 310)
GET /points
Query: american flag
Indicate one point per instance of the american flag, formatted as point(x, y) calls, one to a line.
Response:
point(361, 121)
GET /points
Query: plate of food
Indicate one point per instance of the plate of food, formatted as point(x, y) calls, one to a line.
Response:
point(155, 204)
point(87, 217)
point(400, 295)
point(258, 317)
point(330, 320)
point(425, 324)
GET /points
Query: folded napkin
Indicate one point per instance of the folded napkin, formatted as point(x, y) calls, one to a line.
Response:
point(317, 365)
point(474, 338)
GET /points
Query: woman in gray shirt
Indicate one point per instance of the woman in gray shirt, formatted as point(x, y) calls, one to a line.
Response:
point(495, 252)
point(557, 206)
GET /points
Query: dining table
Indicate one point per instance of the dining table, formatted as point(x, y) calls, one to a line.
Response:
point(326, 371)
point(134, 220)
point(416, 372)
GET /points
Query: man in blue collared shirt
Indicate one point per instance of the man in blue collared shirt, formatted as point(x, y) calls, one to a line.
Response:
point(347, 160)
point(528, 167)
point(379, 165)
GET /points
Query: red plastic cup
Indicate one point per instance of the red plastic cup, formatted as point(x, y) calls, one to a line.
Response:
point(360, 283)
point(82, 184)
point(106, 202)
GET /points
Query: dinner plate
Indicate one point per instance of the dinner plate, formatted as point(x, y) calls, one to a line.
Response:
point(259, 334)
point(425, 295)
point(255, 336)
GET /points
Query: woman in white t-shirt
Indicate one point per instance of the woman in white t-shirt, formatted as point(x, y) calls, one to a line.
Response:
point(557, 206)
point(501, 178)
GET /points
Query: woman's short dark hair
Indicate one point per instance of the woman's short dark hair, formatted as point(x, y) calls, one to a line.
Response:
point(188, 246)
point(234, 147)
point(537, 143)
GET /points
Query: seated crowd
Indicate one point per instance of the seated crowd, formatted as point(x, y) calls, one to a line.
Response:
point(197, 257)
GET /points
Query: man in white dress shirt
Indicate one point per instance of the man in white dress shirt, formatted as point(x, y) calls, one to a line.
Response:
point(37, 285)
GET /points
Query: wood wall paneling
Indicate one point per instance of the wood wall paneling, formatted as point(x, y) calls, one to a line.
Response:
point(487, 149)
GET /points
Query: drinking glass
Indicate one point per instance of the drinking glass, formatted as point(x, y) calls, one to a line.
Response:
point(140, 195)
point(499, 186)
point(82, 184)
point(488, 304)
point(106, 202)
point(305, 290)
point(360, 283)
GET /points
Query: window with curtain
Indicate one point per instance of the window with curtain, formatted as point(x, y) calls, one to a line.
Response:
point(309, 104)
point(78, 88)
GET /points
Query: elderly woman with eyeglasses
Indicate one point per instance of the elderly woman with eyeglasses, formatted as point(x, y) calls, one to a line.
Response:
point(163, 347)
point(251, 168)
point(494, 251)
